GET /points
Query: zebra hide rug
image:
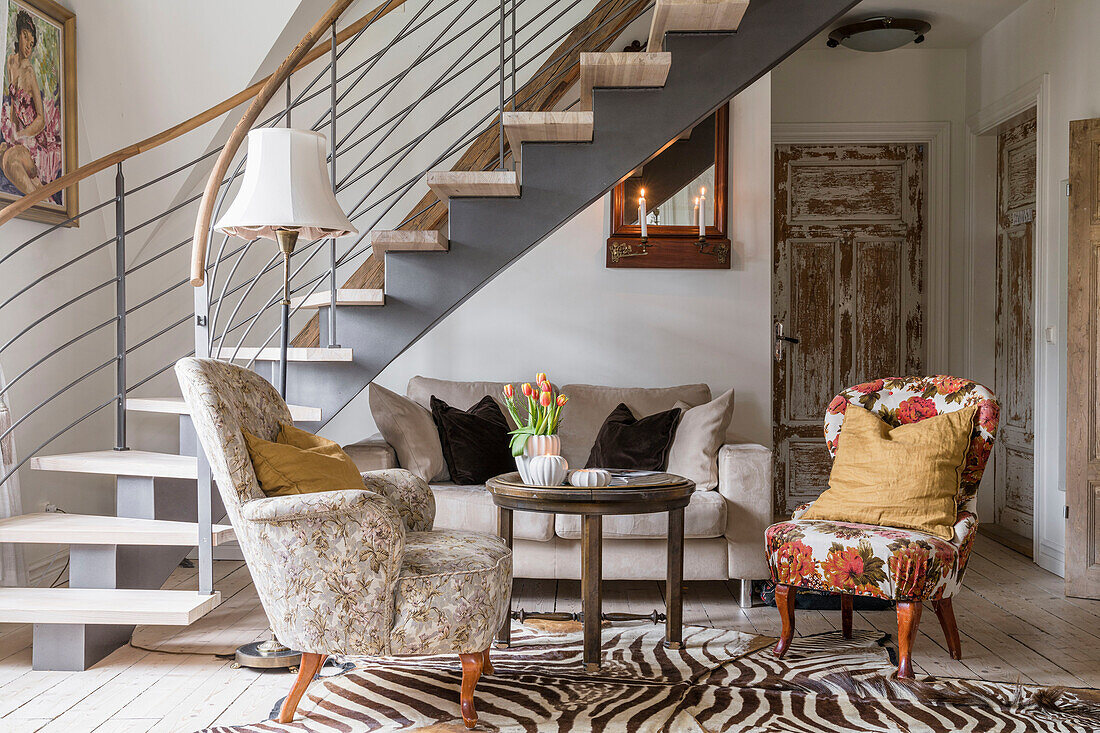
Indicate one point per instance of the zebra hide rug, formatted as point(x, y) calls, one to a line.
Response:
point(721, 681)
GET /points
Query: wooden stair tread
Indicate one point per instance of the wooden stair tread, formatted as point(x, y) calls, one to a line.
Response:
point(693, 15)
point(89, 529)
point(177, 406)
point(271, 353)
point(452, 184)
point(120, 463)
point(566, 126)
point(622, 70)
point(344, 296)
point(409, 240)
point(104, 606)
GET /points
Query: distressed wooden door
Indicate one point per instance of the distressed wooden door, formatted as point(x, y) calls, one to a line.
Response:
point(1014, 452)
point(847, 282)
point(1083, 363)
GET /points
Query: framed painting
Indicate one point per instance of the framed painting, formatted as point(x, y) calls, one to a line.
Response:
point(38, 112)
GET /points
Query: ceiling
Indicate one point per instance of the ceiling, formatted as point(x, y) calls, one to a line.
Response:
point(955, 23)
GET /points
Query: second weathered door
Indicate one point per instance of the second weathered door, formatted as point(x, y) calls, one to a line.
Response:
point(847, 282)
point(1014, 453)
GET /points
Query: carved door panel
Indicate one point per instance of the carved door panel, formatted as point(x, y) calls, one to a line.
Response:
point(1083, 363)
point(847, 282)
point(1014, 462)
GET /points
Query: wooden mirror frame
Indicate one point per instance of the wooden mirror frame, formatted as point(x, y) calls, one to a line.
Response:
point(676, 246)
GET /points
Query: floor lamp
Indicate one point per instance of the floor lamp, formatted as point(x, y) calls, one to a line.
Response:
point(286, 194)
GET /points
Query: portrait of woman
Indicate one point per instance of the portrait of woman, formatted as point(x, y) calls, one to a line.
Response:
point(33, 124)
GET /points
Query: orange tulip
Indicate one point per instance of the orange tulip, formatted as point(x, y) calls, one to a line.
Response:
point(545, 399)
point(546, 386)
point(562, 399)
point(509, 391)
point(540, 377)
point(528, 390)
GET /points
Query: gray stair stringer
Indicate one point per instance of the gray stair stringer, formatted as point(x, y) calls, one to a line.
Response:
point(558, 181)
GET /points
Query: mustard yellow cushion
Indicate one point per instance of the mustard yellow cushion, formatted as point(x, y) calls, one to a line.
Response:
point(906, 476)
point(298, 462)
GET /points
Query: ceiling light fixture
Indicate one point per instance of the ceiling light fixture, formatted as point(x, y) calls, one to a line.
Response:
point(880, 33)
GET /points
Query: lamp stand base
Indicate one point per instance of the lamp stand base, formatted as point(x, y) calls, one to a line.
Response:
point(268, 654)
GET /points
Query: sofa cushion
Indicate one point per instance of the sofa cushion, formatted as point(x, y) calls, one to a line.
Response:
point(409, 428)
point(634, 443)
point(590, 405)
point(700, 434)
point(471, 508)
point(475, 441)
point(704, 517)
point(462, 395)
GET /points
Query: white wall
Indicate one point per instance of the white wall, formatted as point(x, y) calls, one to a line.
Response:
point(141, 68)
point(560, 310)
point(1057, 39)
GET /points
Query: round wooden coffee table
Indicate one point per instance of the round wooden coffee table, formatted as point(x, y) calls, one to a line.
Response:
point(632, 493)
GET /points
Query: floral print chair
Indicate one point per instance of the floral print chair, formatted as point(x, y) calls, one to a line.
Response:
point(903, 565)
point(356, 572)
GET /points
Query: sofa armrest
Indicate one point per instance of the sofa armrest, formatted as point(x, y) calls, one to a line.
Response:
point(372, 454)
point(745, 481)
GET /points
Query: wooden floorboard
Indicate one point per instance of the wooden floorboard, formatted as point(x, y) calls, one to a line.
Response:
point(1015, 622)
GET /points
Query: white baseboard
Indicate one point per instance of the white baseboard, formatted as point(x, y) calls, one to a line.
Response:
point(1051, 558)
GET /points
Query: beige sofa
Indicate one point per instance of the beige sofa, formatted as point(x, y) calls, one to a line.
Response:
point(724, 528)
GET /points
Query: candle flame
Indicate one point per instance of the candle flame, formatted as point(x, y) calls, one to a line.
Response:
point(703, 191)
point(642, 193)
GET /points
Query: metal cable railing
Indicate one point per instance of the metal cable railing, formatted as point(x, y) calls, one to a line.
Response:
point(396, 95)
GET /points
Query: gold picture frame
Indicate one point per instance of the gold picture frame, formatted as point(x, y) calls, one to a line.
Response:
point(38, 143)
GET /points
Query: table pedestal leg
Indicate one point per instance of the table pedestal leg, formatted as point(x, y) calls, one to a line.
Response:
point(504, 635)
point(591, 576)
point(674, 581)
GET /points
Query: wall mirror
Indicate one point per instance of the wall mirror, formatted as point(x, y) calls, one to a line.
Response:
point(687, 177)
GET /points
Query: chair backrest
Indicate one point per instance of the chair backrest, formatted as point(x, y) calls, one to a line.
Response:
point(901, 400)
point(225, 400)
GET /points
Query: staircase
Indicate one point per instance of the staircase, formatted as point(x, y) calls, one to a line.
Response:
point(628, 107)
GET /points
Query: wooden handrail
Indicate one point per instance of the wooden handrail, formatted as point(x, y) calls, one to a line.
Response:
point(20, 205)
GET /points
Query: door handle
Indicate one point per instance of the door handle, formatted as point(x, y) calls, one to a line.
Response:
point(780, 339)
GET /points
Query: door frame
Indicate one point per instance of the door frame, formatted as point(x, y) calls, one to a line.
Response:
point(1048, 306)
point(936, 137)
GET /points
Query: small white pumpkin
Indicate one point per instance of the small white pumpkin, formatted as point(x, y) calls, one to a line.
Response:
point(547, 470)
point(590, 478)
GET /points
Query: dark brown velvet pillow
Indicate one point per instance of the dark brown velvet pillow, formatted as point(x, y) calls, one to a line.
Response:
point(626, 442)
point(475, 441)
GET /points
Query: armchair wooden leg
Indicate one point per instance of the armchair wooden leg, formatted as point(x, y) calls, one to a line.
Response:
point(846, 615)
point(784, 601)
point(908, 620)
point(946, 614)
point(472, 665)
point(307, 670)
point(488, 668)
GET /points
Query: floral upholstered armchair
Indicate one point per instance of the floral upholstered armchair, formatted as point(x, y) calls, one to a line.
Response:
point(903, 565)
point(356, 572)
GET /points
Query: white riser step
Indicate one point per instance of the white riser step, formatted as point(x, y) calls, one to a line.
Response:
point(622, 70)
point(177, 406)
point(246, 353)
point(344, 296)
point(693, 15)
point(120, 463)
point(408, 240)
point(104, 606)
point(87, 529)
point(454, 184)
point(554, 127)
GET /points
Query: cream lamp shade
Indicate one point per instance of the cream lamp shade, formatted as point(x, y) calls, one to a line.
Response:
point(286, 186)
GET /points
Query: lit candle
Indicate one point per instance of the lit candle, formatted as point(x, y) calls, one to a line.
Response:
point(641, 213)
point(702, 213)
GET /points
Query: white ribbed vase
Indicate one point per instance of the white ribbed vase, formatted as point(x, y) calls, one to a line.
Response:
point(543, 445)
point(547, 470)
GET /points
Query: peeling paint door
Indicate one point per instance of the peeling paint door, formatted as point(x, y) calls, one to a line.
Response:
point(847, 282)
point(1014, 452)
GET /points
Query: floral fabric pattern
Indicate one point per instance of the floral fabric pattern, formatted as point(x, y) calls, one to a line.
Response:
point(452, 594)
point(865, 560)
point(885, 562)
point(327, 565)
point(902, 400)
point(409, 493)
